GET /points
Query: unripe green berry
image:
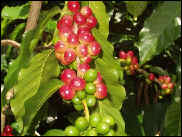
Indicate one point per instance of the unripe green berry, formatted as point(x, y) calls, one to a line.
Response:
point(91, 132)
point(110, 133)
point(81, 94)
point(81, 123)
point(76, 100)
point(102, 128)
point(109, 120)
point(71, 131)
point(90, 75)
point(95, 119)
point(90, 88)
point(78, 107)
point(91, 100)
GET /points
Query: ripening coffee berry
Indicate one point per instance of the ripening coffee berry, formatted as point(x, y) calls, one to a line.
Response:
point(134, 60)
point(82, 50)
point(90, 75)
point(130, 53)
point(95, 119)
point(68, 75)
point(167, 79)
point(91, 100)
point(66, 92)
point(164, 86)
point(60, 47)
point(122, 55)
point(65, 20)
point(151, 76)
point(109, 120)
point(79, 18)
point(82, 69)
point(78, 84)
point(99, 78)
point(91, 21)
point(161, 79)
point(78, 107)
point(95, 48)
point(60, 57)
point(86, 37)
point(74, 6)
point(76, 100)
point(8, 129)
point(86, 11)
point(90, 88)
point(81, 123)
point(71, 131)
point(102, 128)
point(83, 28)
point(86, 59)
point(69, 56)
point(171, 85)
point(111, 132)
point(73, 40)
point(64, 32)
point(101, 91)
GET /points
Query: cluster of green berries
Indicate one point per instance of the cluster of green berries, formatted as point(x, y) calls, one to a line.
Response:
point(89, 87)
point(95, 126)
point(7, 131)
point(76, 39)
point(128, 61)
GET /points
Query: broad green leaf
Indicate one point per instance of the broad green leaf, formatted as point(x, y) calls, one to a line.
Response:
point(54, 132)
point(42, 68)
point(16, 12)
point(173, 120)
point(136, 8)
point(51, 26)
point(105, 108)
point(99, 10)
point(160, 30)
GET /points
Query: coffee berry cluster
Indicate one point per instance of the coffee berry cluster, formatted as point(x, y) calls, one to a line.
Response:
point(76, 39)
point(95, 126)
point(89, 87)
point(128, 61)
point(7, 131)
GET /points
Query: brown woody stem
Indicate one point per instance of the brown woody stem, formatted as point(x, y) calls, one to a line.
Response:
point(10, 42)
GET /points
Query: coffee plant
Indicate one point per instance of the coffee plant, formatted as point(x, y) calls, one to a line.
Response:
point(91, 68)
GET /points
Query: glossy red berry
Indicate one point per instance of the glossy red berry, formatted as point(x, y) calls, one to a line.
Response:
point(164, 86)
point(91, 21)
point(79, 18)
point(167, 79)
point(86, 59)
point(65, 20)
point(130, 53)
point(134, 60)
point(83, 28)
point(64, 32)
point(122, 55)
point(161, 79)
point(78, 84)
point(95, 48)
point(60, 57)
point(151, 76)
point(101, 91)
point(60, 47)
point(68, 75)
point(69, 55)
point(86, 37)
point(86, 11)
point(171, 85)
point(83, 68)
point(66, 92)
point(74, 6)
point(73, 39)
point(8, 129)
point(82, 50)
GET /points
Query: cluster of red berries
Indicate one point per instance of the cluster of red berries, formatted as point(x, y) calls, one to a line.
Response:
point(76, 39)
point(86, 84)
point(96, 125)
point(7, 131)
point(128, 61)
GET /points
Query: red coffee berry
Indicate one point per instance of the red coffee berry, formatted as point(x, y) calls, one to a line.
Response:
point(86, 59)
point(60, 57)
point(65, 20)
point(164, 86)
point(79, 18)
point(101, 91)
point(91, 21)
point(64, 32)
point(171, 85)
point(99, 78)
point(83, 68)
point(66, 92)
point(60, 47)
point(73, 39)
point(74, 6)
point(8, 129)
point(83, 28)
point(86, 37)
point(122, 55)
point(78, 84)
point(167, 79)
point(69, 55)
point(130, 53)
point(86, 11)
point(95, 48)
point(134, 60)
point(161, 79)
point(151, 76)
point(82, 50)
point(68, 75)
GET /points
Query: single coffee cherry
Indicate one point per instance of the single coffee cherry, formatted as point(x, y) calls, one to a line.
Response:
point(82, 50)
point(91, 100)
point(8, 129)
point(90, 75)
point(91, 132)
point(86, 60)
point(95, 119)
point(79, 18)
point(130, 53)
point(111, 132)
point(65, 20)
point(86, 37)
point(83, 28)
point(167, 79)
point(81, 94)
point(90, 88)
point(101, 91)
point(64, 32)
point(73, 40)
point(66, 92)
point(171, 85)
point(151, 76)
point(128, 60)
point(81, 123)
point(86, 11)
point(161, 79)
point(109, 120)
point(60, 47)
point(82, 69)
point(122, 55)
point(71, 131)
point(134, 60)
point(164, 86)
point(69, 55)
point(78, 107)
point(102, 128)
point(68, 75)
point(76, 100)
point(73, 6)
point(91, 21)
point(78, 84)
point(95, 48)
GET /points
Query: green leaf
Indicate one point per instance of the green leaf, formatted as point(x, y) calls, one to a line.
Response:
point(136, 8)
point(158, 70)
point(104, 107)
point(42, 68)
point(160, 30)
point(16, 31)
point(99, 10)
point(51, 26)
point(16, 12)
point(54, 132)
point(173, 120)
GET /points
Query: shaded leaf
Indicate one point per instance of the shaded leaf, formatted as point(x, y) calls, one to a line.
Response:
point(159, 31)
point(54, 132)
